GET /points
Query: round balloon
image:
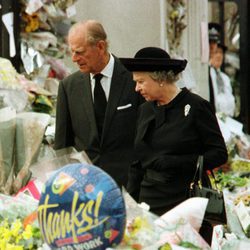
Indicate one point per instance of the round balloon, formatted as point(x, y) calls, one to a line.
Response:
point(81, 207)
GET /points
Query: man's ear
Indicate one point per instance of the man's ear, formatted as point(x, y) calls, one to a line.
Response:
point(101, 45)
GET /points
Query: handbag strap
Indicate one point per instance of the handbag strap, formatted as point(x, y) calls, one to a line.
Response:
point(200, 166)
point(197, 179)
point(198, 176)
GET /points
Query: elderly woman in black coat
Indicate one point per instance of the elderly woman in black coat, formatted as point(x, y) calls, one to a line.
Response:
point(174, 127)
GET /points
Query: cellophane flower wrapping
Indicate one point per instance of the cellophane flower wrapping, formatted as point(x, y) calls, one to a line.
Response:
point(223, 240)
point(46, 166)
point(30, 128)
point(7, 142)
point(147, 231)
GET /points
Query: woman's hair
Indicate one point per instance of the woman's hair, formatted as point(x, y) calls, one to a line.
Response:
point(168, 76)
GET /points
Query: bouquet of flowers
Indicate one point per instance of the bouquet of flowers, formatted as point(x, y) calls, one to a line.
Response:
point(15, 235)
point(18, 223)
point(7, 142)
point(177, 229)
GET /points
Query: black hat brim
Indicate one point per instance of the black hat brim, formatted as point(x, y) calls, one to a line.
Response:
point(157, 64)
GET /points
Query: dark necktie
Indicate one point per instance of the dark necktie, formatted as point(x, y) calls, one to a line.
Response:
point(100, 103)
point(220, 82)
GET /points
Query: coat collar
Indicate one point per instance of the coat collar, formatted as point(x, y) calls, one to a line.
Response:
point(150, 112)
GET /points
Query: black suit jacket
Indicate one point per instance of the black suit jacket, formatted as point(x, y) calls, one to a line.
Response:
point(76, 125)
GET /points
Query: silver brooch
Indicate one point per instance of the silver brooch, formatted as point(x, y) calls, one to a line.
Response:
point(187, 109)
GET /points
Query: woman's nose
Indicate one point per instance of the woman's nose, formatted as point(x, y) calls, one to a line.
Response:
point(137, 88)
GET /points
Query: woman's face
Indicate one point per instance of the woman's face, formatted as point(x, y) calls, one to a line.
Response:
point(217, 58)
point(146, 86)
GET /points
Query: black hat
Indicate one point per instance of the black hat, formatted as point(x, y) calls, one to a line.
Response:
point(214, 32)
point(153, 59)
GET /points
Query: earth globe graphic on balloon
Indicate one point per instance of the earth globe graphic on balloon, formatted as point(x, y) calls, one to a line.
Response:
point(81, 207)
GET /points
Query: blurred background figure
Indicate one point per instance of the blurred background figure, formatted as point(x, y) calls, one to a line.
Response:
point(220, 88)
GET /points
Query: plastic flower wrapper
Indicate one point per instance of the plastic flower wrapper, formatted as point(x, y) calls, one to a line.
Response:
point(232, 199)
point(180, 233)
point(12, 207)
point(141, 231)
point(56, 159)
point(224, 240)
point(192, 209)
point(147, 231)
point(187, 218)
point(14, 98)
point(8, 75)
point(30, 128)
point(7, 142)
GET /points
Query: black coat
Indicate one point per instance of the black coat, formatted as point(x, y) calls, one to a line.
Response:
point(168, 141)
point(76, 125)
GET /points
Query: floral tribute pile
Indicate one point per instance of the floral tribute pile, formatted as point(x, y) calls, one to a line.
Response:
point(81, 209)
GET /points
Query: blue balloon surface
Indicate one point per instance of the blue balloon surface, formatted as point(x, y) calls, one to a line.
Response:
point(81, 207)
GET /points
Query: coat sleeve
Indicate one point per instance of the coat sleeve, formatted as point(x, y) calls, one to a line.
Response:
point(63, 133)
point(214, 147)
point(135, 177)
point(212, 144)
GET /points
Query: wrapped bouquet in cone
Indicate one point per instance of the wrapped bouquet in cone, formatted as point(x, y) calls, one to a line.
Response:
point(7, 142)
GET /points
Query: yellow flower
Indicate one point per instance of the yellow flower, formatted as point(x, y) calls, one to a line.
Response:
point(6, 234)
point(174, 14)
point(18, 238)
point(27, 234)
point(2, 244)
point(13, 247)
point(13, 236)
point(16, 227)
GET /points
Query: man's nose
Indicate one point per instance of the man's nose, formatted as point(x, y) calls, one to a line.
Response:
point(74, 57)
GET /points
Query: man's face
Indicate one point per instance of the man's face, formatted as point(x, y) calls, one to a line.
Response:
point(88, 57)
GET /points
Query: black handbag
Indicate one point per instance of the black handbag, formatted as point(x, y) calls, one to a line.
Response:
point(215, 211)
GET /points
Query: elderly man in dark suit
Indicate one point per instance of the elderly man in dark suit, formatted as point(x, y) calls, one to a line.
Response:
point(97, 105)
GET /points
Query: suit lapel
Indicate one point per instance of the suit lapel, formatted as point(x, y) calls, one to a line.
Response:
point(85, 97)
point(118, 83)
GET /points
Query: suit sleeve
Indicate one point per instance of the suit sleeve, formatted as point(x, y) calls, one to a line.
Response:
point(64, 133)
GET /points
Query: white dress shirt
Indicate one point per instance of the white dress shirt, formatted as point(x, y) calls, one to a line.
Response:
point(107, 73)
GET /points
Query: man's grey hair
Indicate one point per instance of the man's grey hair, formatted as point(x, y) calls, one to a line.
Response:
point(92, 30)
